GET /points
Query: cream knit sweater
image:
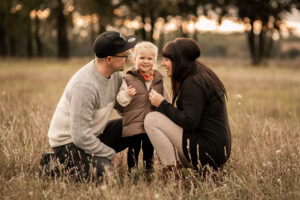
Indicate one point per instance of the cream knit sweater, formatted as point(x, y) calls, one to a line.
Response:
point(84, 110)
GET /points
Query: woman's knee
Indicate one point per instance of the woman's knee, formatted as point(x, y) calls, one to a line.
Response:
point(151, 119)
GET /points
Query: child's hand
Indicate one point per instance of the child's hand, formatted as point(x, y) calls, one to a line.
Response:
point(131, 91)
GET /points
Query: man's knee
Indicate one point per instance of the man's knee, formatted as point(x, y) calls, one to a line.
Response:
point(101, 165)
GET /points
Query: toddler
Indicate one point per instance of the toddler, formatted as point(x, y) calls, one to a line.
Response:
point(134, 97)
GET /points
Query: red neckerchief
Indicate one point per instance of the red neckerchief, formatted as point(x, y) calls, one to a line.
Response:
point(146, 77)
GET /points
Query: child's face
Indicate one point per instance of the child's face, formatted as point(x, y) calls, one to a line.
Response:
point(144, 60)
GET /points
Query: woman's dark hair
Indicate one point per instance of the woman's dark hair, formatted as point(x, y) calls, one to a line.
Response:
point(183, 53)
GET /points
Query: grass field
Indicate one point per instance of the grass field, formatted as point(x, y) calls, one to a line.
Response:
point(264, 114)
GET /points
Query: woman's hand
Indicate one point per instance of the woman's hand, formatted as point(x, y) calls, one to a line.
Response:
point(155, 98)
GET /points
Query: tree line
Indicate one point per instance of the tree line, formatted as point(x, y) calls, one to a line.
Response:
point(28, 22)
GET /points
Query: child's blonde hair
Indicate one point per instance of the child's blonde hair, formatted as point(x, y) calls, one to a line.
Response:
point(148, 46)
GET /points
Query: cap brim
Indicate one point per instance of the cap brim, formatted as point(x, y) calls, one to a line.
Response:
point(131, 42)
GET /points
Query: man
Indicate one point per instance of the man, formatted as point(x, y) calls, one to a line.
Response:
point(81, 135)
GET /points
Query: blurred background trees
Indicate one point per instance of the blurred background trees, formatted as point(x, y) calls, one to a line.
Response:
point(64, 28)
point(263, 18)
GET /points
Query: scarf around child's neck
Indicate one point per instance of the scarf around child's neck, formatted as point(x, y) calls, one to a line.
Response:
point(147, 76)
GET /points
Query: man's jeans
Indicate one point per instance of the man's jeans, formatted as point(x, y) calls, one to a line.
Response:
point(75, 162)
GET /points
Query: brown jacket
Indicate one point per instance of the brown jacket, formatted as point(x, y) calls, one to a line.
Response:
point(135, 112)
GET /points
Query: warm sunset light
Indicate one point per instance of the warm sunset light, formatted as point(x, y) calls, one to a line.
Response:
point(190, 27)
point(42, 14)
point(70, 8)
point(205, 24)
point(149, 99)
point(293, 21)
point(294, 26)
point(80, 22)
point(284, 30)
point(32, 14)
point(133, 24)
point(257, 25)
point(17, 8)
point(229, 26)
point(170, 26)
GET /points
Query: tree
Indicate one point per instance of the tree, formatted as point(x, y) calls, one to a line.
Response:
point(5, 5)
point(263, 18)
point(62, 33)
point(149, 11)
point(61, 16)
point(39, 44)
point(33, 25)
point(10, 25)
point(16, 27)
point(186, 9)
point(27, 7)
point(104, 10)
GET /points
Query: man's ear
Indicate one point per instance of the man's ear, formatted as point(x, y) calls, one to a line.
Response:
point(108, 60)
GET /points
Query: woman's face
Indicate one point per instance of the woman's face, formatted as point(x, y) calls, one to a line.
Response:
point(166, 62)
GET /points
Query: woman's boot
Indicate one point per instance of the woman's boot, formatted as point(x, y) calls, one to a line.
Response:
point(172, 172)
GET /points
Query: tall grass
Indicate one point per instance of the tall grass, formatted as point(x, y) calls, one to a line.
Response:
point(263, 107)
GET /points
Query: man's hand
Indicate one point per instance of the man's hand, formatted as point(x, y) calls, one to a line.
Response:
point(155, 98)
point(131, 91)
point(116, 161)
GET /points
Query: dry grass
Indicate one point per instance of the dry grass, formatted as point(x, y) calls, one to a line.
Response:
point(264, 114)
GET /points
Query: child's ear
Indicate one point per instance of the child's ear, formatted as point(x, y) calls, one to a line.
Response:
point(134, 59)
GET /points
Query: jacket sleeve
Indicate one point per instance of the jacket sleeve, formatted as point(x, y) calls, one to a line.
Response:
point(193, 103)
point(166, 94)
point(123, 97)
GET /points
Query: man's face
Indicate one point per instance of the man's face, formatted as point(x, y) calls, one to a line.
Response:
point(118, 61)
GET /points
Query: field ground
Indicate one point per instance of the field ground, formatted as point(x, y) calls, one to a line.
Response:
point(264, 114)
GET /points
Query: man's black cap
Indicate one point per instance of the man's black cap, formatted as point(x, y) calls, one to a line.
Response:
point(111, 42)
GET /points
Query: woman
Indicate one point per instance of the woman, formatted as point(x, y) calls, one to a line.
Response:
point(198, 126)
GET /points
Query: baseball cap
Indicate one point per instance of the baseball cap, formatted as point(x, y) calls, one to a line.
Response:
point(112, 42)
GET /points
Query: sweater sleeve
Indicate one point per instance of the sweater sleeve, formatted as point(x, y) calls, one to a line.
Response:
point(123, 97)
point(193, 102)
point(82, 107)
